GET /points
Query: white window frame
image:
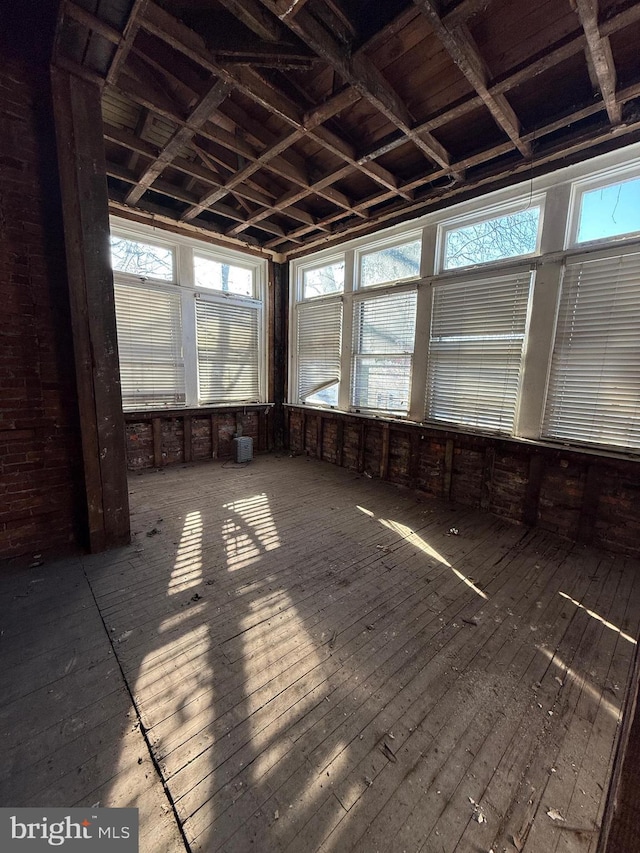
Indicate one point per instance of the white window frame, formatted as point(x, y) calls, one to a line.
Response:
point(600, 180)
point(486, 214)
point(558, 195)
point(370, 294)
point(379, 246)
point(185, 248)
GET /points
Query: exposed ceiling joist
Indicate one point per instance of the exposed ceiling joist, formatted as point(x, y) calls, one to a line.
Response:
point(600, 56)
point(459, 44)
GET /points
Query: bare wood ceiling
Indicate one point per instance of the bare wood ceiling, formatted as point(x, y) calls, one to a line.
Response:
point(291, 124)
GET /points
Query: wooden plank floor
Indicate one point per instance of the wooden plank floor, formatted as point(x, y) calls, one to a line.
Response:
point(320, 662)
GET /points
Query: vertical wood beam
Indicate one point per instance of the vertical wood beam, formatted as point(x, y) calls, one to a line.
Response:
point(384, 454)
point(188, 438)
point(414, 456)
point(215, 438)
point(487, 478)
point(532, 493)
point(589, 508)
point(156, 427)
point(319, 430)
point(448, 470)
point(362, 442)
point(83, 186)
point(340, 442)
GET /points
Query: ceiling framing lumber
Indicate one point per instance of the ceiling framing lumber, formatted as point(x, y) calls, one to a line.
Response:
point(361, 73)
point(600, 56)
point(460, 46)
point(200, 115)
point(289, 124)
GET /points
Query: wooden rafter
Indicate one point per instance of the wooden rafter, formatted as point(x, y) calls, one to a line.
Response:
point(358, 71)
point(200, 115)
point(459, 44)
point(581, 140)
point(600, 56)
point(250, 173)
point(128, 37)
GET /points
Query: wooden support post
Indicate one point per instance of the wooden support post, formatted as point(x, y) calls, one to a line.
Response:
point(83, 186)
point(414, 456)
point(448, 470)
point(215, 438)
point(362, 445)
point(384, 455)
point(340, 442)
point(487, 478)
point(532, 494)
point(319, 432)
point(188, 439)
point(156, 426)
point(589, 509)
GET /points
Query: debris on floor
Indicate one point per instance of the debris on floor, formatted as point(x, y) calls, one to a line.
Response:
point(554, 814)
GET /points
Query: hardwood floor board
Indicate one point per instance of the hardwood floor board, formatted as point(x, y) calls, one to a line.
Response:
point(385, 760)
point(541, 750)
point(279, 625)
point(494, 702)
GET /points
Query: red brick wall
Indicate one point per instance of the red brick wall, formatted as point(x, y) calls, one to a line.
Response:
point(581, 496)
point(211, 433)
point(40, 453)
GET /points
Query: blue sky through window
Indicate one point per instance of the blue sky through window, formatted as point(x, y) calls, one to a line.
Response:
point(610, 211)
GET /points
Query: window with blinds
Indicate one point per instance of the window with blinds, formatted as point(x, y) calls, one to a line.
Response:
point(227, 336)
point(594, 387)
point(318, 341)
point(383, 339)
point(149, 324)
point(475, 350)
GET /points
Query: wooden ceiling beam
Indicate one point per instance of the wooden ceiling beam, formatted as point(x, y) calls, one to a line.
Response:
point(580, 140)
point(360, 73)
point(253, 16)
point(460, 46)
point(128, 37)
point(180, 194)
point(600, 56)
point(199, 116)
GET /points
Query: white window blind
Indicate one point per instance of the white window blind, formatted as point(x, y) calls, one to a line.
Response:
point(149, 323)
point(383, 338)
point(475, 350)
point(594, 386)
point(319, 334)
point(228, 351)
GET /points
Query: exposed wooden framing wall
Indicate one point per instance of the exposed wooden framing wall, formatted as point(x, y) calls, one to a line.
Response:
point(590, 498)
point(86, 225)
point(158, 439)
